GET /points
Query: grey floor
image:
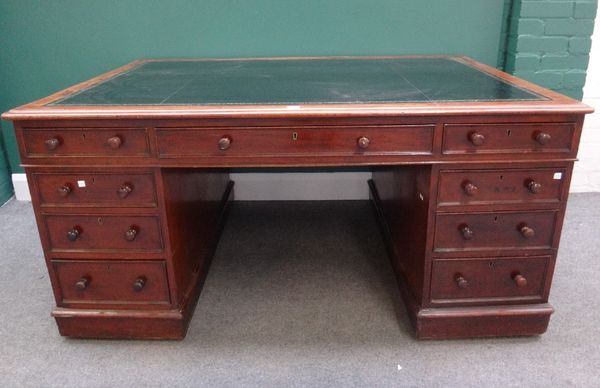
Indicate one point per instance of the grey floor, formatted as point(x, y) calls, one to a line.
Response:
point(300, 295)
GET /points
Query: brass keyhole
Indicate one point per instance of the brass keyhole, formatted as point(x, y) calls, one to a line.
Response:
point(100, 221)
point(294, 136)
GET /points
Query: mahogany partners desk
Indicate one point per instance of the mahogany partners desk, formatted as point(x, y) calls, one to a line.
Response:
point(129, 180)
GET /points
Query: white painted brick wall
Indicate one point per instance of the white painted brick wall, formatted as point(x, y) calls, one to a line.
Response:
point(586, 176)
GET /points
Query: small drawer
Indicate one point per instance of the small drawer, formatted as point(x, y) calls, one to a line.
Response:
point(487, 280)
point(96, 189)
point(494, 230)
point(103, 233)
point(508, 138)
point(480, 187)
point(85, 142)
point(111, 281)
point(327, 141)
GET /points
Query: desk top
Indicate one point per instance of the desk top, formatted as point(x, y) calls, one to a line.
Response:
point(335, 81)
point(296, 86)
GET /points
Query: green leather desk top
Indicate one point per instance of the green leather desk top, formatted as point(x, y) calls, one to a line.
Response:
point(303, 81)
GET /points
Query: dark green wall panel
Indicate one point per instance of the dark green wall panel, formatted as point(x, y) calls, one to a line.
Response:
point(49, 45)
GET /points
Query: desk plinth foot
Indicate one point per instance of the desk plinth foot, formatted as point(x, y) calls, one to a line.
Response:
point(488, 321)
point(121, 324)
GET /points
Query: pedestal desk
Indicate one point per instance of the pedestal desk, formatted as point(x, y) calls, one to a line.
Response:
point(129, 180)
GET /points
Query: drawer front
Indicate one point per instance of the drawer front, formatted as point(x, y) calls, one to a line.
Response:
point(258, 142)
point(487, 279)
point(103, 233)
point(97, 189)
point(85, 142)
point(494, 230)
point(111, 281)
point(471, 187)
point(508, 138)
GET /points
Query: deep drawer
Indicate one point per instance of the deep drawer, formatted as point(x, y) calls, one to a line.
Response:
point(96, 189)
point(103, 232)
point(392, 140)
point(508, 138)
point(486, 280)
point(85, 142)
point(471, 187)
point(111, 281)
point(494, 231)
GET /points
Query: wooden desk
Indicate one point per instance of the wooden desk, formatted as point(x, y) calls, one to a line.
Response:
point(471, 167)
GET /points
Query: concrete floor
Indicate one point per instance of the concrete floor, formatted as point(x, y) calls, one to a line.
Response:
point(292, 299)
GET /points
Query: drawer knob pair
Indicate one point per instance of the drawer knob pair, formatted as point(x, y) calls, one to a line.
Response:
point(124, 190)
point(224, 143)
point(468, 233)
point(363, 142)
point(461, 282)
point(138, 284)
point(130, 234)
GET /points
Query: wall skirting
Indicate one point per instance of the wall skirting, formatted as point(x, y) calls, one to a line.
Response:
point(21, 187)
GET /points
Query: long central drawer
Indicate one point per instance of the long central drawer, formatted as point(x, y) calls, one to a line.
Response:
point(325, 141)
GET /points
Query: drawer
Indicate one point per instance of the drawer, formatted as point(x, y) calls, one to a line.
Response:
point(111, 281)
point(471, 187)
point(96, 189)
point(85, 142)
point(103, 232)
point(508, 138)
point(392, 140)
point(471, 280)
point(494, 230)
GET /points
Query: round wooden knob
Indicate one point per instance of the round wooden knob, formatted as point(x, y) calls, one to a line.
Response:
point(139, 283)
point(470, 188)
point(363, 142)
point(520, 280)
point(64, 190)
point(533, 186)
point(461, 282)
point(131, 233)
point(52, 144)
point(224, 143)
point(124, 190)
point(74, 233)
point(526, 231)
point(114, 142)
point(82, 283)
point(543, 138)
point(467, 232)
point(476, 138)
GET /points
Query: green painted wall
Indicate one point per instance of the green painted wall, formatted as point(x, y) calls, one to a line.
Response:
point(48, 45)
